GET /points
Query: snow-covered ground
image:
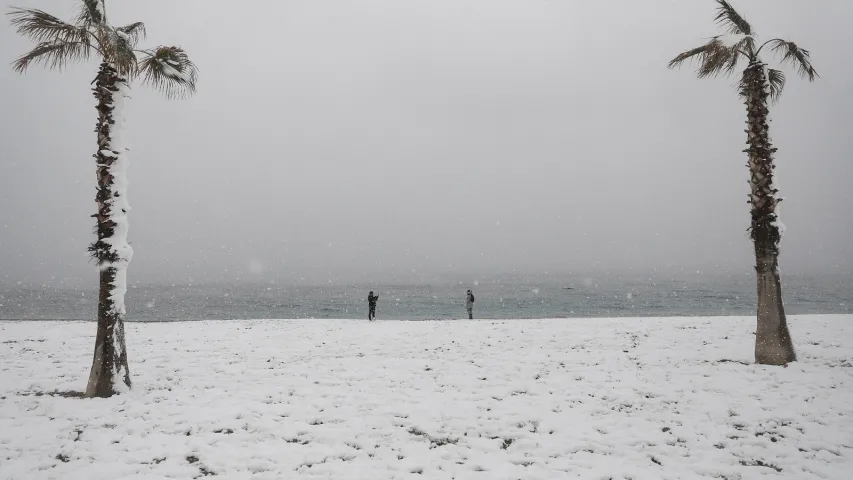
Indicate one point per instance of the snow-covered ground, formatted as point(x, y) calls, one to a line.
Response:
point(666, 398)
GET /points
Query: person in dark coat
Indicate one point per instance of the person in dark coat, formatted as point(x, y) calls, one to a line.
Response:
point(469, 305)
point(371, 305)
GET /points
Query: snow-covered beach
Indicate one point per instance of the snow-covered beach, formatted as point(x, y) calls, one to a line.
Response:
point(647, 398)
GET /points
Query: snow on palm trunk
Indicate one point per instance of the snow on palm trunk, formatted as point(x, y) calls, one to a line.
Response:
point(773, 344)
point(110, 373)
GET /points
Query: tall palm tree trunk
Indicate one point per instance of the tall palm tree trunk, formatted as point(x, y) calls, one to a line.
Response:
point(110, 373)
point(773, 344)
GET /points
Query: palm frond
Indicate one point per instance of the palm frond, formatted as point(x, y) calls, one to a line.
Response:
point(170, 70)
point(731, 63)
point(700, 53)
point(90, 13)
point(714, 58)
point(55, 55)
point(776, 79)
point(118, 50)
point(744, 48)
point(687, 56)
point(44, 27)
point(135, 31)
point(746, 45)
point(717, 61)
point(798, 57)
point(729, 18)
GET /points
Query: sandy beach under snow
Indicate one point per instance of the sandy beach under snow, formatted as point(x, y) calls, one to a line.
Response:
point(648, 398)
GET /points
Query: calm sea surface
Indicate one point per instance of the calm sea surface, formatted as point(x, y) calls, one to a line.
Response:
point(497, 297)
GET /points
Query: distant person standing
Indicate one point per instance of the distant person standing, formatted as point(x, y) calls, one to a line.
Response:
point(371, 305)
point(469, 305)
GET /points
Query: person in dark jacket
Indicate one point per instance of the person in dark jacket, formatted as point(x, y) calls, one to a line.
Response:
point(469, 305)
point(371, 305)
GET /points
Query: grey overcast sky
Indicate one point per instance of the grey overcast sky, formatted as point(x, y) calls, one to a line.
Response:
point(337, 140)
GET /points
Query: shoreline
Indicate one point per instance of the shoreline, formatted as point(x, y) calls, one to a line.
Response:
point(421, 320)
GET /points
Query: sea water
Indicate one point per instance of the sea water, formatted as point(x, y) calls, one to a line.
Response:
point(498, 296)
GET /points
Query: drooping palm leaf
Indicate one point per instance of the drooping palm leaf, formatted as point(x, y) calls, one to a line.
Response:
point(795, 56)
point(776, 79)
point(135, 31)
point(729, 18)
point(699, 54)
point(746, 45)
point(714, 58)
point(55, 55)
point(90, 13)
point(44, 27)
point(687, 56)
point(170, 70)
point(118, 50)
point(742, 49)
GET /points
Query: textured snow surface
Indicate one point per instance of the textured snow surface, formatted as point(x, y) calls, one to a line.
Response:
point(532, 399)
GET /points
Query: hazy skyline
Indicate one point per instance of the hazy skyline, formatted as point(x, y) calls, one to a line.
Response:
point(384, 139)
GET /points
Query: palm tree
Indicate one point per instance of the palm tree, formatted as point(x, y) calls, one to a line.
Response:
point(165, 68)
point(720, 56)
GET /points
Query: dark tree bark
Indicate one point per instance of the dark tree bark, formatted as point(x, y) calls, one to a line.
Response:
point(773, 345)
point(110, 373)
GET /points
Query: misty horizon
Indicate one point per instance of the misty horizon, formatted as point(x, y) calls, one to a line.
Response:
point(463, 279)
